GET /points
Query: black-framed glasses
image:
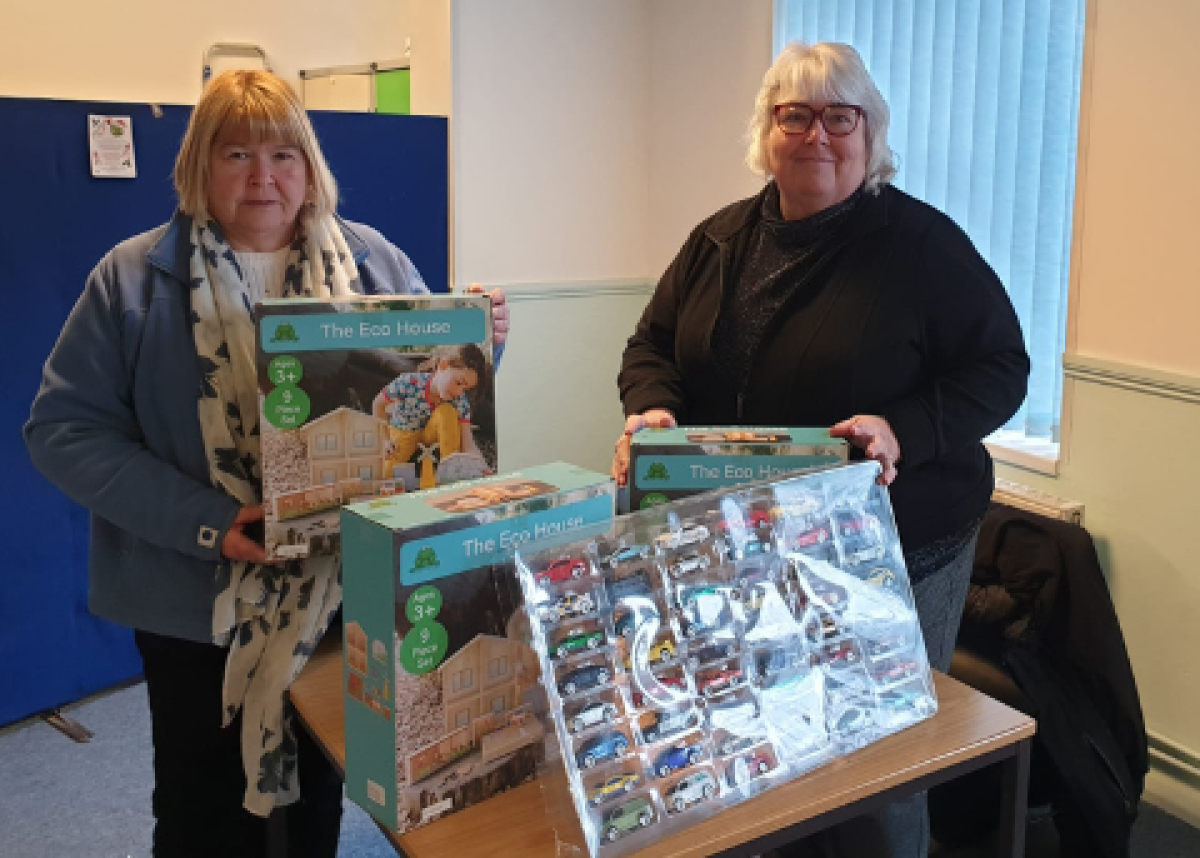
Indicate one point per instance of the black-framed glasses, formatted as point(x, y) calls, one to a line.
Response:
point(795, 117)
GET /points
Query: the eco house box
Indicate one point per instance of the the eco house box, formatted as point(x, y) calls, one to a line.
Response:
point(668, 464)
point(441, 690)
point(352, 406)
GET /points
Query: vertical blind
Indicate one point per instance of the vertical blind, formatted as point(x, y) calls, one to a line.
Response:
point(984, 96)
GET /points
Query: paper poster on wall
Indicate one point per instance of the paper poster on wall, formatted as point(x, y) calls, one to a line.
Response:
point(110, 140)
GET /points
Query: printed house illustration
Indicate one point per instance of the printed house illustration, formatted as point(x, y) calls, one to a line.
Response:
point(344, 444)
point(488, 675)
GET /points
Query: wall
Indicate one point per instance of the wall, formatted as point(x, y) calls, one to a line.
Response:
point(1132, 392)
point(152, 51)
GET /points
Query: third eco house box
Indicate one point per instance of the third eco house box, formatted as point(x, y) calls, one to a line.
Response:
point(668, 464)
point(440, 687)
point(368, 396)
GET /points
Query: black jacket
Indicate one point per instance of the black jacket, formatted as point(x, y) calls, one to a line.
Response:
point(902, 318)
point(1040, 605)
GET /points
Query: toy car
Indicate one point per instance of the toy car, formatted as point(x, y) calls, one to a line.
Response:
point(676, 682)
point(616, 785)
point(563, 569)
point(576, 642)
point(566, 606)
point(709, 653)
point(664, 723)
point(677, 757)
point(810, 532)
point(882, 577)
point(852, 720)
point(730, 744)
point(841, 654)
point(687, 534)
point(752, 519)
point(660, 651)
point(750, 547)
point(583, 678)
point(756, 764)
point(628, 817)
point(889, 671)
point(889, 644)
point(721, 681)
point(693, 562)
point(715, 591)
point(628, 587)
point(624, 554)
point(694, 788)
point(596, 712)
point(606, 746)
point(776, 659)
point(905, 701)
point(627, 621)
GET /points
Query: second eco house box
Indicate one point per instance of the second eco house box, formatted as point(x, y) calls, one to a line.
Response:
point(441, 690)
point(668, 464)
point(365, 397)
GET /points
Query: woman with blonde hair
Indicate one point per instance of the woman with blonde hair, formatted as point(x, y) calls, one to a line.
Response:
point(148, 416)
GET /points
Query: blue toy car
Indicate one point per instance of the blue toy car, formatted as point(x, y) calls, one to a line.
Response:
point(677, 757)
point(583, 678)
point(606, 746)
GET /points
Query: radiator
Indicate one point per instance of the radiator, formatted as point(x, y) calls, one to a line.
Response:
point(1023, 497)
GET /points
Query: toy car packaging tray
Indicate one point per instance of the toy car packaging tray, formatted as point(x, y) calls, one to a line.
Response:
point(669, 464)
point(442, 699)
point(702, 651)
point(344, 406)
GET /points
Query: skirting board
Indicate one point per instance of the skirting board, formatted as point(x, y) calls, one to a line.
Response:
point(1174, 780)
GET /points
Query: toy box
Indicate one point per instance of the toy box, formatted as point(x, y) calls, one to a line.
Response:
point(441, 688)
point(668, 464)
point(714, 647)
point(367, 397)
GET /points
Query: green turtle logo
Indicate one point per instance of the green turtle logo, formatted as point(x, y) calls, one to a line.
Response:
point(426, 557)
point(657, 471)
point(285, 333)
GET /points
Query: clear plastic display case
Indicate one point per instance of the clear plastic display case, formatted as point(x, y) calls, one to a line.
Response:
point(702, 651)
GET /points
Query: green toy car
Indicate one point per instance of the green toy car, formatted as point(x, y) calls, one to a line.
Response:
point(576, 642)
point(627, 817)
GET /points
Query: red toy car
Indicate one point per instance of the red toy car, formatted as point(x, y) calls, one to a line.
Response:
point(723, 680)
point(563, 569)
point(676, 682)
point(752, 519)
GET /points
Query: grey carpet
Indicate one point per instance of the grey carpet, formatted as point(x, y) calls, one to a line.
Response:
point(60, 798)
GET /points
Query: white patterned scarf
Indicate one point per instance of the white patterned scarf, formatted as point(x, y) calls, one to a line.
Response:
point(271, 617)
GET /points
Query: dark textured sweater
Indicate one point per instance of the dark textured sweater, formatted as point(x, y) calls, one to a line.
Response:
point(903, 319)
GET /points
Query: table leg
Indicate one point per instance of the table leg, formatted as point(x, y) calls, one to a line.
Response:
point(1010, 838)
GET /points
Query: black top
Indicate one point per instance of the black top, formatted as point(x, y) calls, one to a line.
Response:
point(902, 318)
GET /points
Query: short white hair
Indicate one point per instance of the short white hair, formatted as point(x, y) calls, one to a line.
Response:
point(830, 72)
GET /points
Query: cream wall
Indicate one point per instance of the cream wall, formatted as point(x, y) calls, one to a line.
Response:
point(142, 50)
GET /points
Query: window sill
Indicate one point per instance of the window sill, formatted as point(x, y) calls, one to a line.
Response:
point(1030, 454)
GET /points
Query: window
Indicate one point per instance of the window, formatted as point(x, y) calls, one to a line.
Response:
point(984, 98)
point(364, 440)
point(463, 718)
point(498, 667)
point(498, 703)
point(327, 441)
point(365, 473)
point(329, 477)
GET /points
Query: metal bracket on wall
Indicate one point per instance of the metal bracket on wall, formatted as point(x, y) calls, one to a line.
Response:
point(232, 49)
point(68, 726)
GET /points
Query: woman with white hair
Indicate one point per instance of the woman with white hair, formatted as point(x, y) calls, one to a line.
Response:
point(148, 417)
point(834, 299)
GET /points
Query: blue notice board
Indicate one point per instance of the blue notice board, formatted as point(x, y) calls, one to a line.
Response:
point(56, 222)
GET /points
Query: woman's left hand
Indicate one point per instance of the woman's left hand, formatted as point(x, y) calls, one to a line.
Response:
point(874, 435)
point(499, 312)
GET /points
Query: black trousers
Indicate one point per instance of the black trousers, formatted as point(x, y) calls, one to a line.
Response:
point(199, 781)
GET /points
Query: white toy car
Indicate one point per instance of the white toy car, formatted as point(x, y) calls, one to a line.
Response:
point(597, 712)
point(686, 535)
point(694, 788)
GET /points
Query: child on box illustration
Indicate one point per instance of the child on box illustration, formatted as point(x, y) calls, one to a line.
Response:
point(427, 413)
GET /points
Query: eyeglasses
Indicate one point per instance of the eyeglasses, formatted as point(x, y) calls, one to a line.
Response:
point(838, 120)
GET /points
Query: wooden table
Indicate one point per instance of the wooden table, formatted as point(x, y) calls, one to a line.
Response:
point(970, 731)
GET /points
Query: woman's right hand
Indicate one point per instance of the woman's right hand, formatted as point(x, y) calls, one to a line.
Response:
point(655, 418)
point(239, 547)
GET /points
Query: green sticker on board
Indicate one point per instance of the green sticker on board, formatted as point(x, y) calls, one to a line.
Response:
point(285, 369)
point(424, 647)
point(653, 499)
point(287, 407)
point(423, 604)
